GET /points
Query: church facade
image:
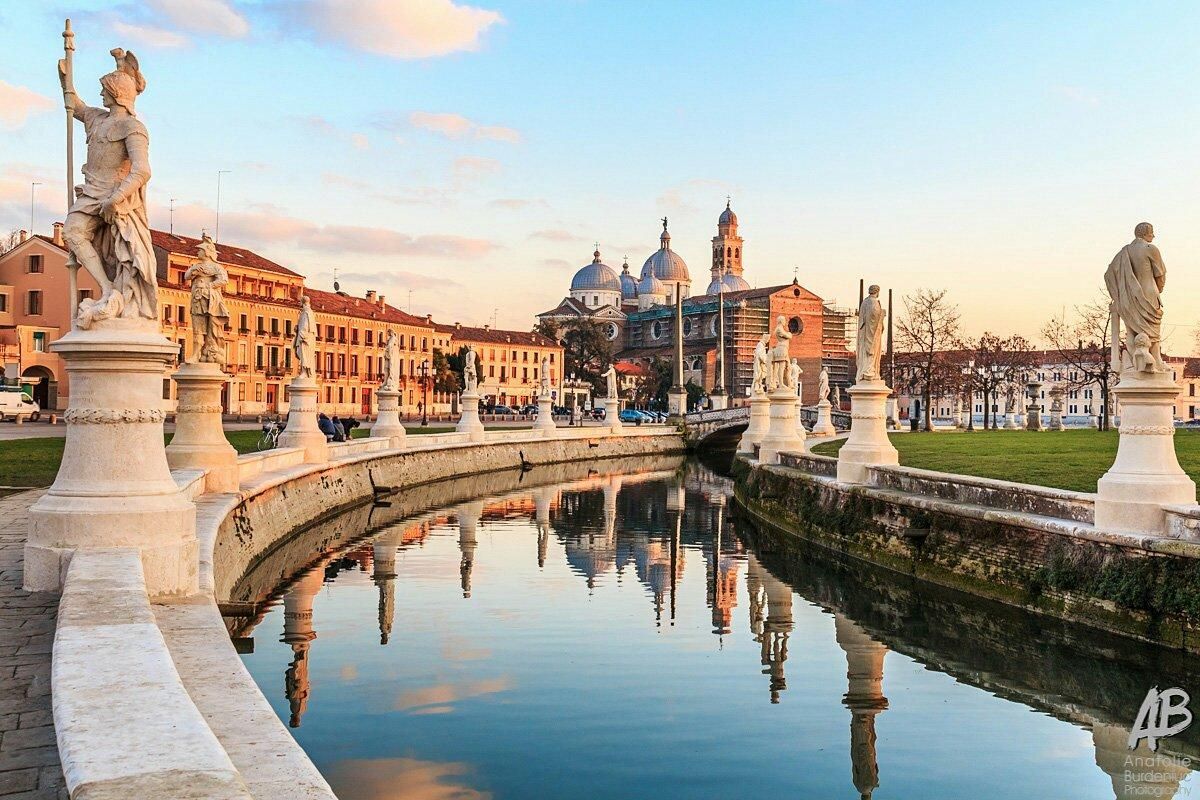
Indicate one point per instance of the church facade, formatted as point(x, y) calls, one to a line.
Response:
point(637, 314)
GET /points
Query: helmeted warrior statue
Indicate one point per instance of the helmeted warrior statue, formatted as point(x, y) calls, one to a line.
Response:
point(107, 230)
point(209, 314)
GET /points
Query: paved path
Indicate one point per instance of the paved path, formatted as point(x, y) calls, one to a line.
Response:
point(29, 766)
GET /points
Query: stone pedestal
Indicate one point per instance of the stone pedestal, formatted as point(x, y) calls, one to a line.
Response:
point(676, 401)
point(801, 431)
point(760, 418)
point(824, 426)
point(1093, 421)
point(781, 435)
point(1010, 420)
point(469, 422)
point(114, 488)
point(718, 400)
point(868, 444)
point(1056, 410)
point(302, 430)
point(612, 412)
point(890, 413)
point(199, 441)
point(1146, 474)
point(545, 417)
point(388, 422)
point(1033, 417)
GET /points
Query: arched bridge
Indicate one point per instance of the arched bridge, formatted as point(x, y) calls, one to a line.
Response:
point(715, 428)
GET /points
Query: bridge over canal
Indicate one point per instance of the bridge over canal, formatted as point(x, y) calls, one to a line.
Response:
point(721, 428)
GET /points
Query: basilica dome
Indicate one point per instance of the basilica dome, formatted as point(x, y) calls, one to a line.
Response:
point(596, 276)
point(665, 264)
point(651, 285)
point(727, 216)
point(629, 284)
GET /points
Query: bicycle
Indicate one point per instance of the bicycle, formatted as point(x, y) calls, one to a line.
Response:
point(270, 435)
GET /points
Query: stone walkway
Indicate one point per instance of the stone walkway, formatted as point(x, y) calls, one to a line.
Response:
point(29, 765)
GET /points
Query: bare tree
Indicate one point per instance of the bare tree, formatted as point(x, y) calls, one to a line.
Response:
point(9, 240)
point(996, 363)
point(1081, 343)
point(928, 328)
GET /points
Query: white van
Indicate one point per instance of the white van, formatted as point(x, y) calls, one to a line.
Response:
point(15, 403)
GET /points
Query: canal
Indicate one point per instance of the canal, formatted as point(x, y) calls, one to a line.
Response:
point(617, 630)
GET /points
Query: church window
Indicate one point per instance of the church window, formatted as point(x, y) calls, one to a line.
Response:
point(728, 252)
point(687, 327)
point(737, 252)
point(612, 334)
point(656, 329)
point(795, 325)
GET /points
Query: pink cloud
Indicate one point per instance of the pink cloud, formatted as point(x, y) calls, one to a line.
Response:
point(456, 126)
point(403, 30)
point(149, 35)
point(212, 17)
point(18, 104)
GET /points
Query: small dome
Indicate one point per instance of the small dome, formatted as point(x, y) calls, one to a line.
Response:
point(727, 216)
point(714, 287)
point(629, 284)
point(665, 263)
point(735, 283)
point(651, 285)
point(596, 277)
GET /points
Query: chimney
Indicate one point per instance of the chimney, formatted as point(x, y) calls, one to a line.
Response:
point(370, 295)
point(429, 319)
point(381, 302)
point(487, 326)
point(58, 240)
point(22, 236)
point(458, 326)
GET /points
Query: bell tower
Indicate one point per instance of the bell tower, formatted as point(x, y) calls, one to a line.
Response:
point(727, 245)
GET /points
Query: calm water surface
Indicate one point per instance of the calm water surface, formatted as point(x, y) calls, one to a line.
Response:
point(626, 635)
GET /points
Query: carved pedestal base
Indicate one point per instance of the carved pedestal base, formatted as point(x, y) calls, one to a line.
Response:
point(781, 435)
point(824, 426)
point(302, 430)
point(612, 413)
point(1146, 474)
point(676, 402)
point(388, 422)
point(760, 420)
point(1033, 417)
point(1010, 421)
point(1056, 420)
point(868, 444)
point(114, 488)
point(801, 431)
point(545, 417)
point(718, 400)
point(199, 441)
point(469, 421)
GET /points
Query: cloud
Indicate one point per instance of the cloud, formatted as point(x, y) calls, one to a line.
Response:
point(405, 30)
point(18, 104)
point(149, 35)
point(402, 779)
point(556, 263)
point(693, 196)
point(556, 235)
point(360, 141)
point(444, 694)
point(456, 126)
point(397, 278)
point(269, 226)
point(469, 168)
point(210, 17)
point(516, 203)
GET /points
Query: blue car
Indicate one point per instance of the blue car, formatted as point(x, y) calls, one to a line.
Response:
point(632, 416)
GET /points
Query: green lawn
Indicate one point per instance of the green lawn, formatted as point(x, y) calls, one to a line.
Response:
point(34, 462)
point(1073, 459)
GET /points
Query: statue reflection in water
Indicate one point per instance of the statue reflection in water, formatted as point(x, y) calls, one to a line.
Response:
point(298, 632)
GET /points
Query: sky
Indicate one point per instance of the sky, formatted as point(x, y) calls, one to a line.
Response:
point(472, 154)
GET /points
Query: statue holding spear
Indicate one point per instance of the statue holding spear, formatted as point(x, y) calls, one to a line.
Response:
point(107, 230)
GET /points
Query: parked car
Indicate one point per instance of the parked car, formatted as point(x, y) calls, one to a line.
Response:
point(502, 410)
point(15, 403)
point(632, 415)
point(598, 413)
point(530, 409)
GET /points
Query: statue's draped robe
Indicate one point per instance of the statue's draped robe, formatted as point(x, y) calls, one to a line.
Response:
point(1130, 280)
point(391, 364)
point(302, 344)
point(123, 245)
point(870, 338)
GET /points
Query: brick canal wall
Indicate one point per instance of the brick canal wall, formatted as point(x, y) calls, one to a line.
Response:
point(1027, 546)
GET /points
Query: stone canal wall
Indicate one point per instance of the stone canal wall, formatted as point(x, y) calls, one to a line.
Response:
point(1027, 546)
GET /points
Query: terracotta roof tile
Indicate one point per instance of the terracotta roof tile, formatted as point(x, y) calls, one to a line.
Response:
point(226, 254)
point(494, 335)
point(338, 303)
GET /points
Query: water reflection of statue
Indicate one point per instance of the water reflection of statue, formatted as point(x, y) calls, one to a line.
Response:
point(823, 386)
point(545, 376)
point(304, 341)
point(779, 354)
point(1135, 281)
point(870, 336)
point(762, 366)
point(298, 633)
point(470, 375)
point(209, 314)
point(391, 362)
point(107, 229)
point(864, 697)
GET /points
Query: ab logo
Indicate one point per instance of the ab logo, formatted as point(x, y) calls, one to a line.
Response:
point(1154, 719)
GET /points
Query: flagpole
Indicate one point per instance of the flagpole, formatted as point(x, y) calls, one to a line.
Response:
point(68, 59)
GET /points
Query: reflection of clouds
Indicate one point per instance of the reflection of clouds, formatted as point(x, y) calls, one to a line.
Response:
point(348, 672)
point(445, 694)
point(458, 649)
point(401, 779)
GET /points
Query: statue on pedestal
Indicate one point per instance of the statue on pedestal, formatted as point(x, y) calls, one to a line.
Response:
point(304, 340)
point(545, 376)
point(823, 386)
point(391, 362)
point(870, 337)
point(794, 373)
point(1135, 281)
point(209, 314)
point(107, 230)
point(837, 397)
point(470, 376)
point(610, 376)
point(779, 354)
point(762, 366)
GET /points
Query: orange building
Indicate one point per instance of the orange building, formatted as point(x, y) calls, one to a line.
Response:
point(508, 362)
point(263, 299)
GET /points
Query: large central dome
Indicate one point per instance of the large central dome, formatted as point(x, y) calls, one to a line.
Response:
point(665, 264)
point(596, 276)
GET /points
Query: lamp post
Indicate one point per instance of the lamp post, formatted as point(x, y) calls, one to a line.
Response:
point(970, 373)
point(424, 392)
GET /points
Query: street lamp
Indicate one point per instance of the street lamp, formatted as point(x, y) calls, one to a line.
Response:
point(970, 372)
point(424, 392)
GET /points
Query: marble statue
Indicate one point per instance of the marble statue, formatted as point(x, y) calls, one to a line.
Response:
point(837, 397)
point(304, 341)
point(107, 230)
point(545, 376)
point(470, 375)
point(209, 314)
point(1010, 398)
point(823, 386)
point(794, 373)
point(1135, 281)
point(779, 354)
point(610, 376)
point(391, 363)
point(762, 366)
point(870, 337)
